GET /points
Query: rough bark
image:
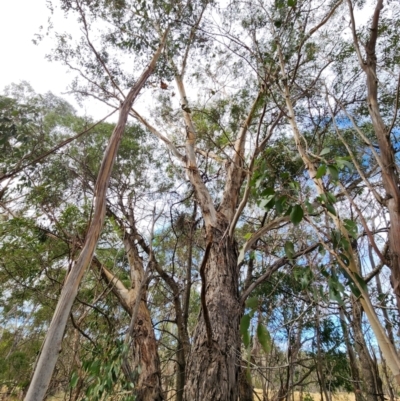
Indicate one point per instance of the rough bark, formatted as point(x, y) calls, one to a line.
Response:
point(245, 387)
point(213, 368)
point(144, 364)
point(137, 274)
point(145, 357)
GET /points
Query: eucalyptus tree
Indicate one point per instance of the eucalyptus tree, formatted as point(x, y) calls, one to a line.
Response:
point(59, 190)
point(241, 84)
point(303, 52)
point(377, 55)
point(215, 333)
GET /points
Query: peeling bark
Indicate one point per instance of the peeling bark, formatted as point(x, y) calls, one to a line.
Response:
point(144, 365)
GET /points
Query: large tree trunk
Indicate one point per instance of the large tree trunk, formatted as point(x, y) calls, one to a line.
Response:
point(245, 386)
point(213, 367)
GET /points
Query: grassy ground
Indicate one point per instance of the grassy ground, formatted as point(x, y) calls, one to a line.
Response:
point(314, 396)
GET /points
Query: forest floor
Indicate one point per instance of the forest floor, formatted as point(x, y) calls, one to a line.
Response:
point(314, 396)
point(306, 396)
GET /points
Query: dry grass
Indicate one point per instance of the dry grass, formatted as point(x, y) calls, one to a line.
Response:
point(314, 396)
point(57, 397)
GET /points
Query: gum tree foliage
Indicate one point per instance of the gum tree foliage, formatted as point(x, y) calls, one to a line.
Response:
point(272, 155)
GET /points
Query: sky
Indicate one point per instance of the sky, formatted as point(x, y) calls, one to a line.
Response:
point(20, 20)
point(21, 59)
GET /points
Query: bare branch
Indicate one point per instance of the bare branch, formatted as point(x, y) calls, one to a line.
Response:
point(259, 233)
point(272, 269)
point(355, 37)
point(159, 135)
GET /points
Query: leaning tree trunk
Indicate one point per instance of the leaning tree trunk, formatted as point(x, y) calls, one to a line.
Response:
point(52, 344)
point(142, 366)
point(213, 364)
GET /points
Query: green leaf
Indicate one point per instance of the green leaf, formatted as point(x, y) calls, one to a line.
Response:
point(74, 380)
point(292, 3)
point(321, 171)
point(351, 227)
point(344, 243)
point(354, 289)
point(342, 163)
point(252, 303)
point(264, 338)
point(322, 250)
point(244, 329)
point(361, 281)
point(336, 296)
point(333, 171)
point(280, 203)
point(296, 215)
point(330, 208)
point(289, 249)
point(268, 202)
point(335, 290)
point(344, 259)
point(310, 207)
point(267, 191)
point(247, 236)
point(324, 151)
point(331, 198)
